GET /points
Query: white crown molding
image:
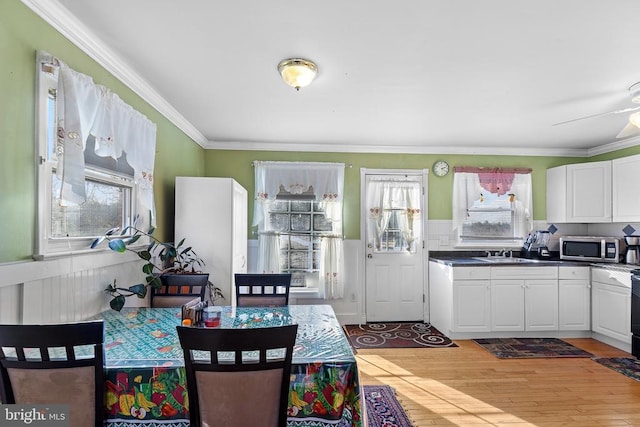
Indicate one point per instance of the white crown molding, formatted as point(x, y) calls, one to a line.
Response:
point(80, 35)
point(614, 146)
point(386, 149)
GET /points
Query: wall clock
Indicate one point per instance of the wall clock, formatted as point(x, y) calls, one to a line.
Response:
point(440, 168)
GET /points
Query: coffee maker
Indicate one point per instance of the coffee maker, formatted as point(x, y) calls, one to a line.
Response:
point(536, 245)
point(633, 249)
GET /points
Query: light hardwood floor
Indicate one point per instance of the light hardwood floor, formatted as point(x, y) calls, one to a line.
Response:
point(467, 386)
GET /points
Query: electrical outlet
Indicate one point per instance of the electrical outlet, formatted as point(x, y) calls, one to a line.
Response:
point(444, 241)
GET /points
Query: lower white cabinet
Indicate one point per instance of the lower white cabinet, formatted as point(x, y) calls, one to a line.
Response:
point(459, 299)
point(611, 304)
point(574, 298)
point(524, 299)
point(471, 306)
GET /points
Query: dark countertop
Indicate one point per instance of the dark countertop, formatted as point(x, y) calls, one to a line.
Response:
point(467, 261)
point(470, 259)
point(475, 260)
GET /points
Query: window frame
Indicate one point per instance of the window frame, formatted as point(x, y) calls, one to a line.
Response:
point(46, 245)
point(310, 275)
point(520, 211)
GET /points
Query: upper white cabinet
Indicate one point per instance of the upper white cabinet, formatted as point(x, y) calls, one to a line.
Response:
point(579, 193)
point(625, 189)
point(211, 214)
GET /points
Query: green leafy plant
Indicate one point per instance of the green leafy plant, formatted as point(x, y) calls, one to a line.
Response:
point(169, 259)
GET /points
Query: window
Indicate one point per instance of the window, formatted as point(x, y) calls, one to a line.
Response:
point(393, 221)
point(299, 225)
point(298, 212)
point(492, 207)
point(103, 193)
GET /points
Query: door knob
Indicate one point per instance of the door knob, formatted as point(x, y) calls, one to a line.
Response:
point(370, 256)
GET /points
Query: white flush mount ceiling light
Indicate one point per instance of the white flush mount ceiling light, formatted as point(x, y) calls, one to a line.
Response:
point(297, 72)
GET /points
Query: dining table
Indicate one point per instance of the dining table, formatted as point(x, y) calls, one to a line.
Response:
point(146, 382)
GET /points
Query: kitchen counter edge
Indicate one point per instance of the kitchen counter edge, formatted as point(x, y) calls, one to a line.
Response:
point(472, 262)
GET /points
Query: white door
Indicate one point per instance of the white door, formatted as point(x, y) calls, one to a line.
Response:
point(393, 222)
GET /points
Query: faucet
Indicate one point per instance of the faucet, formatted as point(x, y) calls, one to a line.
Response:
point(504, 253)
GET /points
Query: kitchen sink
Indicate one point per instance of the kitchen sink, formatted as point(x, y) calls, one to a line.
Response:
point(504, 260)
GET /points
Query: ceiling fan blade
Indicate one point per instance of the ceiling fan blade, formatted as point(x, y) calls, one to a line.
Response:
point(629, 130)
point(624, 110)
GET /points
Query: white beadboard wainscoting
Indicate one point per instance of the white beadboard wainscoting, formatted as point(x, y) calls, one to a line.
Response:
point(65, 289)
point(71, 288)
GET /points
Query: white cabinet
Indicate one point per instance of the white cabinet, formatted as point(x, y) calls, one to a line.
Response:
point(625, 189)
point(611, 304)
point(459, 298)
point(507, 302)
point(574, 298)
point(579, 193)
point(524, 299)
point(471, 300)
point(211, 214)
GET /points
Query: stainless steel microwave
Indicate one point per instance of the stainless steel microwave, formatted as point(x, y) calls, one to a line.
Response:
point(589, 248)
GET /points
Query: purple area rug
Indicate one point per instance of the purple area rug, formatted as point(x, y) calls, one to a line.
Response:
point(383, 407)
point(396, 335)
point(625, 365)
point(523, 348)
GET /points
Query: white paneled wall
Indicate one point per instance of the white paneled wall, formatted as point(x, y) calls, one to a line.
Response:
point(64, 289)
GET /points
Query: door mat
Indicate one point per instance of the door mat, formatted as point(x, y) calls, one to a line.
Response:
point(396, 335)
point(625, 365)
point(383, 407)
point(523, 348)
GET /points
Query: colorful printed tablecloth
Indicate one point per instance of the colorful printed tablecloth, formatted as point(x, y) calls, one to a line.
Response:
point(145, 370)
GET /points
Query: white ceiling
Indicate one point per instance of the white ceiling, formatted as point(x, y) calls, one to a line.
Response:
point(415, 76)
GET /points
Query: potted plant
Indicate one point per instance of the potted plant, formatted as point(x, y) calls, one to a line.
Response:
point(165, 264)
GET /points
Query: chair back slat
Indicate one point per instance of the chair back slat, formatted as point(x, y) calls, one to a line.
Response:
point(29, 354)
point(238, 358)
point(262, 290)
point(179, 289)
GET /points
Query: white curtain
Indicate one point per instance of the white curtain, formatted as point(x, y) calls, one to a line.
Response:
point(268, 253)
point(467, 189)
point(386, 197)
point(324, 183)
point(85, 108)
point(331, 268)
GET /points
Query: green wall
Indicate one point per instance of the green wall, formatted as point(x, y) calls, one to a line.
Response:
point(237, 164)
point(22, 33)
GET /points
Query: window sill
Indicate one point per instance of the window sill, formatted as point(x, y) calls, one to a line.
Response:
point(303, 292)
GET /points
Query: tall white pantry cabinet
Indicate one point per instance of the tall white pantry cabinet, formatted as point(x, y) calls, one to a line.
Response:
point(211, 214)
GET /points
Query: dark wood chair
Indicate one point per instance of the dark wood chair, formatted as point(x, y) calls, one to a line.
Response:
point(179, 289)
point(55, 364)
point(262, 290)
point(234, 378)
